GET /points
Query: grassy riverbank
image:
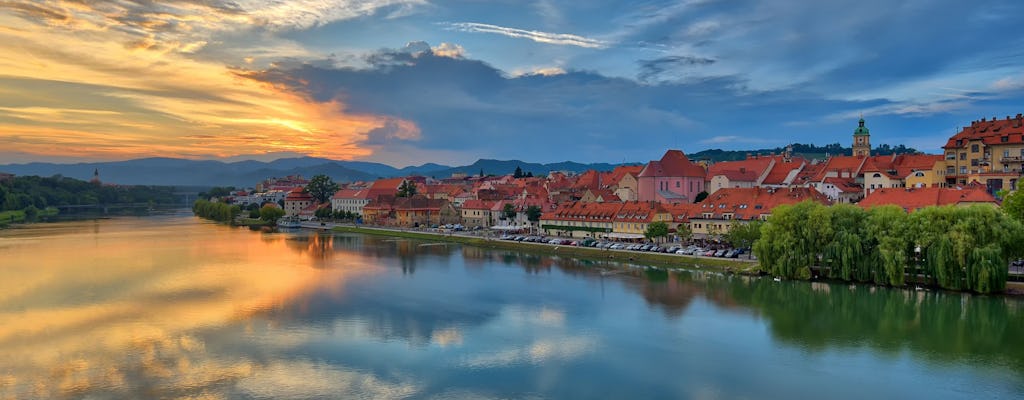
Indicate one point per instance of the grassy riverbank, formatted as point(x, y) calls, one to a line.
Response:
point(653, 259)
point(18, 216)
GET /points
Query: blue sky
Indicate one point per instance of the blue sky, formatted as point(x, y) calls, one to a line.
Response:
point(414, 81)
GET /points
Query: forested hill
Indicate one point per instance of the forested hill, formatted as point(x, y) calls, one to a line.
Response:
point(805, 150)
point(20, 192)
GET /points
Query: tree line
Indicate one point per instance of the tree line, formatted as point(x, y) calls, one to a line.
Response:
point(955, 248)
point(22, 192)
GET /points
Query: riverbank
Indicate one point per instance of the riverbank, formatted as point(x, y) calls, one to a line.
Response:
point(654, 259)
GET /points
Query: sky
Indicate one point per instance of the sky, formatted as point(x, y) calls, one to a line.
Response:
point(406, 82)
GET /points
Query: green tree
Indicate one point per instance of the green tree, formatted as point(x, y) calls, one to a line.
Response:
point(700, 197)
point(324, 212)
point(1013, 205)
point(508, 212)
point(321, 187)
point(656, 229)
point(684, 232)
point(31, 213)
point(744, 234)
point(407, 189)
point(270, 213)
point(533, 213)
point(518, 173)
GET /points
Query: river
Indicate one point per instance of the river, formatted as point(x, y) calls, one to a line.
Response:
point(175, 307)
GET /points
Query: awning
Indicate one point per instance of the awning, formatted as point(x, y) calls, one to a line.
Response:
point(509, 228)
point(617, 235)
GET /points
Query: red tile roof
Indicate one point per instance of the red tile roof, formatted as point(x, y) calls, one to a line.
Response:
point(744, 170)
point(911, 199)
point(990, 132)
point(475, 204)
point(356, 194)
point(901, 166)
point(673, 164)
point(751, 203)
point(580, 211)
point(298, 194)
point(638, 211)
point(848, 185)
point(780, 171)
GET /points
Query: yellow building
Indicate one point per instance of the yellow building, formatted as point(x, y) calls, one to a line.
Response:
point(990, 152)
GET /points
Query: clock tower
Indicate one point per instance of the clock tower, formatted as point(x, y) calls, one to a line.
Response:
point(861, 140)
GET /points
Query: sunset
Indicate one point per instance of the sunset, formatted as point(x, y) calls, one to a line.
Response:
point(406, 82)
point(494, 199)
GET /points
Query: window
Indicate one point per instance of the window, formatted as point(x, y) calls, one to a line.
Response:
point(963, 156)
point(951, 156)
point(876, 175)
point(974, 162)
point(919, 174)
point(678, 184)
point(974, 148)
point(1004, 139)
point(963, 169)
point(1006, 153)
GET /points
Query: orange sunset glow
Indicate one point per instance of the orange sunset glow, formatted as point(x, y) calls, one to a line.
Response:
point(92, 81)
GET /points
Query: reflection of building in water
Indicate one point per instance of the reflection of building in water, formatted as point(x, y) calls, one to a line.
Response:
point(319, 246)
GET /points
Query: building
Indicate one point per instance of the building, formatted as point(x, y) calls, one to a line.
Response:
point(477, 213)
point(672, 179)
point(746, 173)
point(633, 218)
point(716, 214)
point(353, 200)
point(296, 201)
point(913, 199)
point(904, 170)
point(861, 140)
point(989, 152)
point(580, 220)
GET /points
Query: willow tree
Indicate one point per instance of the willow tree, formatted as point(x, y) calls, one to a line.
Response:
point(792, 239)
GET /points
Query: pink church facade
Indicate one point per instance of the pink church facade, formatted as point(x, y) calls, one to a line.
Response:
point(673, 179)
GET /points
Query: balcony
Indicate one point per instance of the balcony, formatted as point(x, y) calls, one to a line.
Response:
point(1014, 159)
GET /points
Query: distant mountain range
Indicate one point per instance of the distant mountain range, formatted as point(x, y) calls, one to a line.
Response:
point(180, 172)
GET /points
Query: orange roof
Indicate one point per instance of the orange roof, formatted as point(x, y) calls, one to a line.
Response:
point(385, 187)
point(681, 212)
point(475, 204)
point(751, 203)
point(673, 164)
point(621, 171)
point(990, 132)
point(840, 165)
point(357, 194)
point(912, 199)
point(782, 169)
point(298, 194)
point(848, 185)
point(744, 170)
point(580, 211)
point(638, 211)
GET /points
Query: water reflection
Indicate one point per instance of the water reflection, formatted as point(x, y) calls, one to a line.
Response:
point(171, 307)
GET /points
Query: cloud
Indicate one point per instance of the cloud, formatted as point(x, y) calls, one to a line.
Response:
point(564, 39)
point(449, 50)
point(669, 68)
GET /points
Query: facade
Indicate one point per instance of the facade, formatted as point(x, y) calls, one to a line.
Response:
point(672, 179)
point(477, 213)
point(350, 200)
point(296, 201)
point(632, 219)
point(989, 152)
point(580, 220)
point(904, 170)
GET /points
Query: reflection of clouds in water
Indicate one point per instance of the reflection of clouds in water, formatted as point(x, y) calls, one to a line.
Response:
point(306, 379)
point(539, 352)
point(447, 337)
point(545, 316)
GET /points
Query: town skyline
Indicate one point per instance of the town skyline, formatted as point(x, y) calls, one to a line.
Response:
point(407, 82)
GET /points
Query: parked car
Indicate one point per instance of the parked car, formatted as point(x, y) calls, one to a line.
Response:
point(719, 253)
point(709, 253)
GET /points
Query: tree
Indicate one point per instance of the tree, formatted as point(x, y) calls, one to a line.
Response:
point(656, 229)
point(321, 187)
point(508, 212)
point(407, 189)
point(324, 212)
point(683, 232)
point(744, 234)
point(533, 213)
point(518, 173)
point(529, 174)
point(1013, 205)
point(700, 197)
point(31, 212)
point(270, 213)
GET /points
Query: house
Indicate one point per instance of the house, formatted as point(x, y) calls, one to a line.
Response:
point(409, 212)
point(672, 179)
point(746, 173)
point(622, 181)
point(842, 190)
point(913, 199)
point(904, 170)
point(716, 214)
point(477, 213)
point(580, 220)
point(519, 206)
point(354, 200)
point(990, 152)
point(632, 219)
point(599, 196)
point(296, 201)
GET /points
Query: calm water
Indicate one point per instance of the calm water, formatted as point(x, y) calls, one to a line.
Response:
point(173, 307)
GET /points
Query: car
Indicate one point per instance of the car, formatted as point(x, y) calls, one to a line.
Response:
point(681, 251)
point(709, 253)
point(730, 254)
point(507, 237)
point(655, 249)
point(554, 241)
point(672, 249)
point(719, 253)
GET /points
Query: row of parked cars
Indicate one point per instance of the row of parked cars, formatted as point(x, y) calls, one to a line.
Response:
point(649, 247)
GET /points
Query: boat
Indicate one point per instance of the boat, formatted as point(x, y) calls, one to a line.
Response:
point(288, 223)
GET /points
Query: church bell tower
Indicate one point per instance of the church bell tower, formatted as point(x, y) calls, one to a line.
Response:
point(861, 140)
